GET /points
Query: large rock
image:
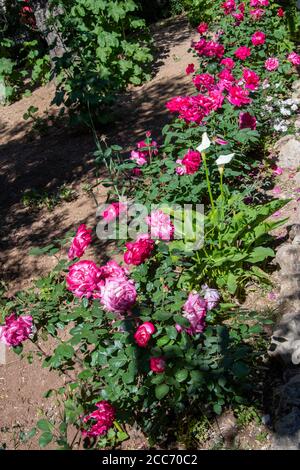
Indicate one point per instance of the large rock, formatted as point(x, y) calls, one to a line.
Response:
point(296, 90)
point(288, 148)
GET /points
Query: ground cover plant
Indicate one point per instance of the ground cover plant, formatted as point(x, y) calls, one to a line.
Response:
point(146, 340)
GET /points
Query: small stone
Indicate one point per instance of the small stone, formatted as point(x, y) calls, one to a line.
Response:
point(288, 148)
point(266, 419)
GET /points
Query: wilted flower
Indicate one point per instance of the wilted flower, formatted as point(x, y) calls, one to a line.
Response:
point(211, 296)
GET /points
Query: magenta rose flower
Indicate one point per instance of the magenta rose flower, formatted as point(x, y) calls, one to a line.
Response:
point(258, 38)
point(118, 295)
point(80, 242)
point(160, 225)
point(113, 211)
point(259, 3)
point(83, 279)
point(202, 28)
point(143, 334)
point(113, 270)
point(257, 13)
point(294, 58)
point(272, 64)
point(243, 52)
point(100, 420)
point(195, 309)
point(190, 69)
point(246, 120)
point(138, 251)
point(251, 79)
point(189, 164)
point(238, 96)
point(229, 6)
point(280, 12)
point(211, 296)
point(157, 364)
point(228, 63)
point(203, 81)
point(16, 329)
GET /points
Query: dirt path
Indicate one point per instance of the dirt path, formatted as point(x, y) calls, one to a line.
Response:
point(63, 156)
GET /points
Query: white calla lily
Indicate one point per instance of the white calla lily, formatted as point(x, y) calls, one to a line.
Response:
point(224, 159)
point(205, 144)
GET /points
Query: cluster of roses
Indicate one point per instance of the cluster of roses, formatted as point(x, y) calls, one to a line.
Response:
point(236, 90)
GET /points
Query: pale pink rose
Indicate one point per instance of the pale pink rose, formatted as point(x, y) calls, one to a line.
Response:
point(143, 334)
point(160, 225)
point(195, 309)
point(16, 329)
point(113, 211)
point(138, 251)
point(100, 421)
point(294, 58)
point(80, 242)
point(83, 279)
point(157, 364)
point(118, 295)
point(212, 296)
point(272, 64)
point(139, 157)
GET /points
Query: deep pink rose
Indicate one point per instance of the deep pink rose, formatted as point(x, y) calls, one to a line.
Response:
point(238, 96)
point(157, 364)
point(243, 52)
point(251, 79)
point(203, 81)
point(138, 251)
point(113, 211)
point(258, 38)
point(272, 64)
point(143, 334)
point(247, 121)
point(259, 3)
point(280, 12)
point(229, 6)
point(118, 295)
point(294, 58)
point(83, 279)
point(257, 13)
point(16, 329)
point(100, 420)
point(228, 63)
point(202, 28)
point(80, 242)
point(160, 225)
point(195, 309)
point(190, 69)
point(113, 270)
point(189, 164)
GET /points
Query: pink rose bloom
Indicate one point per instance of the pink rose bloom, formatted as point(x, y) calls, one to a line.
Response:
point(113, 270)
point(280, 12)
point(220, 141)
point(258, 38)
point(83, 279)
point(195, 309)
point(189, 164)
point(203, 81)
point(257, 13)
point(80, 242)
point(160, 225)
point(139, 157)
point(190, 69)
point(243, 52)
point(277, 171)
point(226, 79)
point(272, 64)
point(202, 28)
point(294, 58)
point(239, 17)
point(143, 334)
point(209, 48)
point(100, 421)
point(138, 251)
point(118, 295)
point(259, 3)
point(238, 96)
point(16, 329)
point(277, 190)
point(228, 63)
point(247, 121)
point(113, 211)
point(251, 79)
point(229, 6)
point(157, 364)
point(211, 296)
